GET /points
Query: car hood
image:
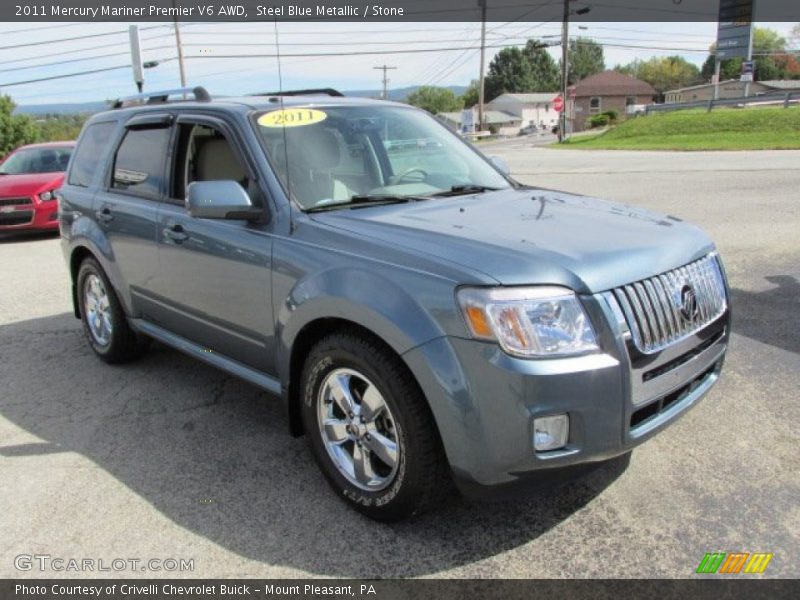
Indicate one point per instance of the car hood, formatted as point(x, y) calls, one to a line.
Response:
point(28, 184)
point(523, 236)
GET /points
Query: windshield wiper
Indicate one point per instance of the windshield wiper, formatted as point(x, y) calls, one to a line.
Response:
point(463, 189)
point(362, 199)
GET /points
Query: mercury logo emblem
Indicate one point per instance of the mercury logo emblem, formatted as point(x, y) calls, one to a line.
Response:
point(689, 308)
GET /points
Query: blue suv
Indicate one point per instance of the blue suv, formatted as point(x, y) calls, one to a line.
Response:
point(424, 318)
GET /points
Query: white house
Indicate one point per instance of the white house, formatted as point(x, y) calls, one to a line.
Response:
point(532, 109)
point(502, 122)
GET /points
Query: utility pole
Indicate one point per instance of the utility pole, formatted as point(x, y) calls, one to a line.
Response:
point(562, 117)
point(750, 58)
point(136, 57)
point(181, 66)
point(482, 4)
point(385, 79)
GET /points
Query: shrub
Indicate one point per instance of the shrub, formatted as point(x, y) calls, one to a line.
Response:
point(598, 121)
point(612, 115)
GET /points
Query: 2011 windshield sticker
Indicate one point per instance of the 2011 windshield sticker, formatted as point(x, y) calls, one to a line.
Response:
point(292, 117)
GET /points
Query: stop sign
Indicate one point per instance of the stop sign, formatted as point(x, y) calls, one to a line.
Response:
point(558, 104)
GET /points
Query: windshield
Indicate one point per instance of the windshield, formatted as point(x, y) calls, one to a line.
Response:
point(37, 160)
point(337, 153)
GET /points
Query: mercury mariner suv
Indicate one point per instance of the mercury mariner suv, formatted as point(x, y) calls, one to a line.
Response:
point(424, 318)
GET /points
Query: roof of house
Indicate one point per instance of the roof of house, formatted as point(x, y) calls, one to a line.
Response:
point(492, 117)
point(613, 83)
point(782, 84)
point(777, 84)
point(537, 98)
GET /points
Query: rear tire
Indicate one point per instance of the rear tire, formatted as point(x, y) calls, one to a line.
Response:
point(371, 430)
point(104, 322)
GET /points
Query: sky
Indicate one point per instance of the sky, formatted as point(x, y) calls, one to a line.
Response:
point(28, 52)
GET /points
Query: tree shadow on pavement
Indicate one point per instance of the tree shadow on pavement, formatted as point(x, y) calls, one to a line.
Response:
point(770, 316)
point(212, 453)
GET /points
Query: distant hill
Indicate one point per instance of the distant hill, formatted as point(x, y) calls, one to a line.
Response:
point(397, 95)
point(61, 108)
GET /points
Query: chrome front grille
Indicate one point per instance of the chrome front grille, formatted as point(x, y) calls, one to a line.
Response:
point(667, 308)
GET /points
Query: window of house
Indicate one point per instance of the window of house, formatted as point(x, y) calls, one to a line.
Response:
point(139, 163)
point(630, 100)
point(594, 105)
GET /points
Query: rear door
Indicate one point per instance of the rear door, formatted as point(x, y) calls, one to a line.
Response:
point(126, 209)
point(213, 282)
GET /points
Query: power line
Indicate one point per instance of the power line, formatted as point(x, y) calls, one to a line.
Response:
point(72, 39)
point(40, 28)
point(66, 75)
point(349, 43)
point(84, 59)
point(74, 51)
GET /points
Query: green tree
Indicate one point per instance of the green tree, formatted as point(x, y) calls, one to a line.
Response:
point(15, 130)
point(435, 99)
point(471, 95)
point(663, 73)
point(585, 58)
point(59, 127)
point(544, 70)
point(515, 70)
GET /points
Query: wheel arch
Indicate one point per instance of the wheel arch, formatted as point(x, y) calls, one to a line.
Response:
point(76, 258)
point(306, 338)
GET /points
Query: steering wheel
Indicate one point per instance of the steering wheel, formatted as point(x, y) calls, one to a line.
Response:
point(407, 172)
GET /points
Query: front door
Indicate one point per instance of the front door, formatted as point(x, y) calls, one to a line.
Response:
point(213, 284)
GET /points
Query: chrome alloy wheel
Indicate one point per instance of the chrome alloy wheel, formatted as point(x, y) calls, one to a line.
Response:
point(97, 307)
point(358, 429)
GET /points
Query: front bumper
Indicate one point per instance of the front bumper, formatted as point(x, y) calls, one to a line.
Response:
point(27, 213)
point(484, 401)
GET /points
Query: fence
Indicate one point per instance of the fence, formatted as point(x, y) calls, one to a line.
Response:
point(772, 98)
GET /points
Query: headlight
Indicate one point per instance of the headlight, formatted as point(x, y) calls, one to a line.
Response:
point(47, 196)
point(529, 321)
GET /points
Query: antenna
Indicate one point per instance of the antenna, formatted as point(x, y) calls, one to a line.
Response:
point(283, 128)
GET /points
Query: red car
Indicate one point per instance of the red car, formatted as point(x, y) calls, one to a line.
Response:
point(29, 177)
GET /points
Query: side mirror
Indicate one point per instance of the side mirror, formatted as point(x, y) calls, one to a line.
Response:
point(500, 164)
point(223, 199)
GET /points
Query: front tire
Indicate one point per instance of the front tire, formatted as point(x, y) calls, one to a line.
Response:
point(104, 322)
point(370, 428)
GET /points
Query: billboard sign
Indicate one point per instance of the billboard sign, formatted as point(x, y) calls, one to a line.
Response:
point(735, 28)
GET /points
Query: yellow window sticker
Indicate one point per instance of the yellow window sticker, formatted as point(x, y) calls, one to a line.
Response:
point(292, 117)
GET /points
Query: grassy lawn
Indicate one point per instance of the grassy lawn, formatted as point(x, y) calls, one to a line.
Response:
point(721, 129)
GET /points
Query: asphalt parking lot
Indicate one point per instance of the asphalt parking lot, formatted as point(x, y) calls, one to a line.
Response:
point(168, 458)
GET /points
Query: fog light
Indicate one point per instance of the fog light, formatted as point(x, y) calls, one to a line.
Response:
point(550, 433)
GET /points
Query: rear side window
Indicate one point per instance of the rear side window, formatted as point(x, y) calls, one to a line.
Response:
point(140, 161)
point(90, 153)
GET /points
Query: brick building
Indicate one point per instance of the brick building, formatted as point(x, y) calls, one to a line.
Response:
point(603, 92)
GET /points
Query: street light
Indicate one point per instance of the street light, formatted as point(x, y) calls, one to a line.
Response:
point(562, 118)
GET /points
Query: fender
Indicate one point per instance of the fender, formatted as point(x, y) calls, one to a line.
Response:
point(380, 305)
point(85, 234)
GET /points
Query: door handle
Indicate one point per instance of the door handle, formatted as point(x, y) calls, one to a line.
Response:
point(104, 215)
point(176, 233)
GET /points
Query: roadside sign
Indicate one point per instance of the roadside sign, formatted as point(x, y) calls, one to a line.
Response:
point(558, 104)
point(467, 121)
point(735, 28)
point(747, 71)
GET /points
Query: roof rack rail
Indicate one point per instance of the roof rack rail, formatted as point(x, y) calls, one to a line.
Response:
point(309, 92)
point(200, 95)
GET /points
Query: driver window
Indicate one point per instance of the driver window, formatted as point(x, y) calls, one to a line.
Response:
point(204, 154)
